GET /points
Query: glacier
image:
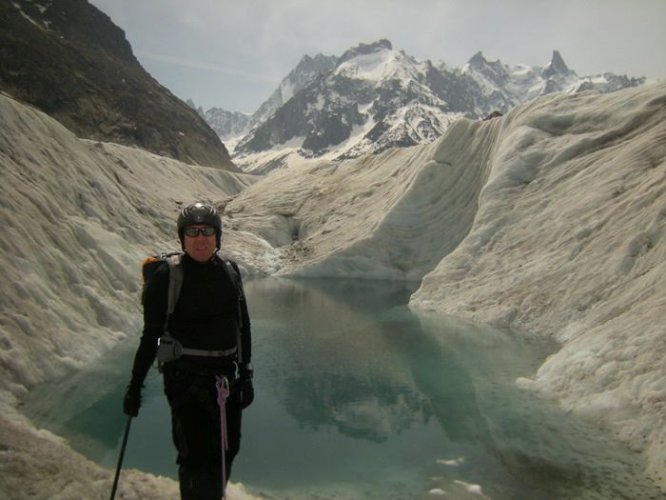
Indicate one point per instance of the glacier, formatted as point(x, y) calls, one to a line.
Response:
point(549, 219)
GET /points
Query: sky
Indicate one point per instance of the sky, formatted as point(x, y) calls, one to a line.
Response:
point(233, 54)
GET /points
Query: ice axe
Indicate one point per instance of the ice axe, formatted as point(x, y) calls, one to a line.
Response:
point(120, 457)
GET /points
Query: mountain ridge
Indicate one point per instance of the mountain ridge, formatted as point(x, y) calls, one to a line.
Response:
point(68, 59)
point(374, 97)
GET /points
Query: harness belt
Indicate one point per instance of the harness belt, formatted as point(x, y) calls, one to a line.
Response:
point(209, 354)
point(169, 349)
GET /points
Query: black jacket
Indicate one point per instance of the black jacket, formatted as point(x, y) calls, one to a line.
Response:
point(211, 312)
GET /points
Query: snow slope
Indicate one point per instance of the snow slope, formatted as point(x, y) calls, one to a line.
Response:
point(569, 241)
point(549, 219)
point(78, 217)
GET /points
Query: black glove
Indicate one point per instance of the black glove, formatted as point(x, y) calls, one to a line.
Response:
point(245, 387)
point(246, 393)
point(132, 401)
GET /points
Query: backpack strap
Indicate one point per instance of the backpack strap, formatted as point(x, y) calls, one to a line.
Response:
point(175, 283)
point(232, 271)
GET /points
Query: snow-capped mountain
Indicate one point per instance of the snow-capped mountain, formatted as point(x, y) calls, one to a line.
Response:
point(374, 97)
point(233, 124)
point(308, 69)
point(227, 124)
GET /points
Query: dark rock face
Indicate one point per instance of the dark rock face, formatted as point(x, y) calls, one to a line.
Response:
point(68, 59)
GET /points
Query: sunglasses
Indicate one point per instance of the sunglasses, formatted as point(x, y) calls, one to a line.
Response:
point(193, 232)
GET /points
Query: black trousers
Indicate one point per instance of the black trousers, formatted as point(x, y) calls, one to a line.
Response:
point(195, 420)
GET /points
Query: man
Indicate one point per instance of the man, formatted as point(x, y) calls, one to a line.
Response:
point(204, 352)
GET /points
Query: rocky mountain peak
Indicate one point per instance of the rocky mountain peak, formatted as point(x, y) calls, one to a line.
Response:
point(494, 71)
point(307, 70)
point(556, 66)
point(316, 64)
point(365, 49)
point(477, 60)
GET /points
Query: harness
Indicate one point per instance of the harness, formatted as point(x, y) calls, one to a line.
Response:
point(170, 349)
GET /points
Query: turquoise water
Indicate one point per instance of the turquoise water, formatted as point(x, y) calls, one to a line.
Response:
point(357, 397)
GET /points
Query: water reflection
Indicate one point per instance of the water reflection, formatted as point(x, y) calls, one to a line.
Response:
point(439, 373)
point(365, 409)
point(338, 369)
point(350, 357)
point(358, 397)
point(368, 369)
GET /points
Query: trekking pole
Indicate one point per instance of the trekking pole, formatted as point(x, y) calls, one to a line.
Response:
point(120, 457)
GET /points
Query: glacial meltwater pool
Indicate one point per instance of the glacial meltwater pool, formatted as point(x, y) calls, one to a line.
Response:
point(359, 398)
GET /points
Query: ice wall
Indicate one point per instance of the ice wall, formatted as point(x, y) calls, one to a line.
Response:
point(78, 219)
point(569, 240)
point(389, 216)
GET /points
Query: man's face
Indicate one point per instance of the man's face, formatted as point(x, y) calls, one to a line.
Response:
point(200, 242)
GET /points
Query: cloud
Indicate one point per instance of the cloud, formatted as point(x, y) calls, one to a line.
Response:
point(188, 63)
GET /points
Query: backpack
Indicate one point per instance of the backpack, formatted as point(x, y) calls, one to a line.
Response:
point(173, 260)
point(151, 264)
